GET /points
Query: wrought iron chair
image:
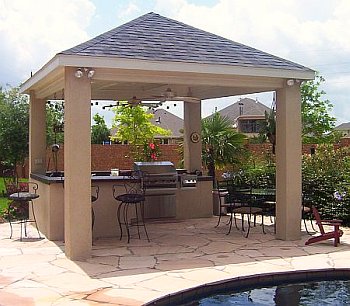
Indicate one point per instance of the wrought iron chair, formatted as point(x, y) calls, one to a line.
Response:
point(306, 211)
point(222, 193)
point(134, 197)
point(246, 205)
point(95, 190)
point(20, 195)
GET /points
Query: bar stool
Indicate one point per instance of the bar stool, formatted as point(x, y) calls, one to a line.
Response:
point(133, 197)
point(19, 205)
point(95, 190)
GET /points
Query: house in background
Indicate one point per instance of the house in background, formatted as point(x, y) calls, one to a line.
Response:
point(168, 121)
point(246, 115)
point(344, 128)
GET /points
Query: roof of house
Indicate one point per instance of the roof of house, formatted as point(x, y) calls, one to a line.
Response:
point(244, 108)
point(154, 37)
point(168, 121)
point(343, 126)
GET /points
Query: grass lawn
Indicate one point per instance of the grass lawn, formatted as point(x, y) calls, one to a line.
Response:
point(3, 201)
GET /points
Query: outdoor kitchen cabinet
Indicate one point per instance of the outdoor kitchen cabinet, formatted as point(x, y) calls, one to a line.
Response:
point(184, 203)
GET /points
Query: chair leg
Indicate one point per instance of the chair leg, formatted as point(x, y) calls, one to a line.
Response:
point(230, 222)
point(143, 219)
point(218, 220)
point(137, 221)
point(34, 218)
point(248, 217)
point(119, 221)
point(262, 223)
point(126, 220)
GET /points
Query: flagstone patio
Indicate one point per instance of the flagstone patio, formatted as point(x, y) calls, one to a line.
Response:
point(180, 255)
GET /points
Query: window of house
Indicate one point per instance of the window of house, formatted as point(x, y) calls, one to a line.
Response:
point(164, 141)
point(250, 126)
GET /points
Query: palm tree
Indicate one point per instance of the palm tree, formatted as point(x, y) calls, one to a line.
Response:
point(221, 144)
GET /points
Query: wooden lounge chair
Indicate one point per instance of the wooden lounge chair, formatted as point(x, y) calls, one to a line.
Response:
point(335, 234)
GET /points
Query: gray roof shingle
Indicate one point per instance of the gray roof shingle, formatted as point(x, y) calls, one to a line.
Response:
point(154, 37)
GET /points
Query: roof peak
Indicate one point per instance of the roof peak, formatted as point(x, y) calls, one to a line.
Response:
point(158, 38)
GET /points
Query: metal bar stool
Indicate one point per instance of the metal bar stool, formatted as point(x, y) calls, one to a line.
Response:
point(133, 198)
point(95, 190)
point(18, 208)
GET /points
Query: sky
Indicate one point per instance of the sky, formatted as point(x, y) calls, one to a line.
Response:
point(314, 33)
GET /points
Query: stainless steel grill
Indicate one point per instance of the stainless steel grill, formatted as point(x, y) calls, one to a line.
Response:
point(159, 178)
point(160, 185)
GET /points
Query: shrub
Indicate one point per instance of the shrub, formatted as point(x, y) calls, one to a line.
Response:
point(326, 181)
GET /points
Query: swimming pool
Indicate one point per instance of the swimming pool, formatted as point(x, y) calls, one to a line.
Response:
point(330, 292)
point(332, 285)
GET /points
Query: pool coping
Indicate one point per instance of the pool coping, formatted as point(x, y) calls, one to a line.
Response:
point(184, 297)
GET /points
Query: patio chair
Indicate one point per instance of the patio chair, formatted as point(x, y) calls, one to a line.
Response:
point(335, 234)
point(20, 196)
point(222, 193)
point(245, 204)
point(306, 211)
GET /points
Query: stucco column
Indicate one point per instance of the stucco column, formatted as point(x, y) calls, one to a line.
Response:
point(288, 163)
point(77, 166)
point(192, 139)
point(37, 135)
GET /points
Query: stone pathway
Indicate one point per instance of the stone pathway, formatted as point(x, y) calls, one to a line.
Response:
point(180, 255)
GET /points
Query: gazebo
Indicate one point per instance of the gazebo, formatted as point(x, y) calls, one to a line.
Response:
point(143, 58)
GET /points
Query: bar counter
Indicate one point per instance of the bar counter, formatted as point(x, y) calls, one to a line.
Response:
point(192, 202)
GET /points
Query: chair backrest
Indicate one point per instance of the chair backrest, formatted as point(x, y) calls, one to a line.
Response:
point(95, 190)
point(318, 219)
point(135, 184)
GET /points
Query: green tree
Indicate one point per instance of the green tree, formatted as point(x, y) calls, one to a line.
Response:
point(221, 144)
point(317, 123)
point(99, 130)
point(14, 126)
point(133, 125)
point(54, 122)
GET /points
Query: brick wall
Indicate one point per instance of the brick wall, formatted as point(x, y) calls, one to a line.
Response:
point(106, 157)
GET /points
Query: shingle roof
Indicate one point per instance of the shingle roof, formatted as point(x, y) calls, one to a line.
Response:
point(243, 107)
point(154, 37)
point(168, 121)
point(343, 126)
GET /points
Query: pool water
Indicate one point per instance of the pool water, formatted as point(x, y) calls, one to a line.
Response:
point(332, 292)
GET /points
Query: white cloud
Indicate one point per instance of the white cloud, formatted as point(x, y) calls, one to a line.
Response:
point(32, 32)
point(312, 33)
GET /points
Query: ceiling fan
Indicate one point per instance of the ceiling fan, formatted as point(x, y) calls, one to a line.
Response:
point(134, 101)
point(169, 95)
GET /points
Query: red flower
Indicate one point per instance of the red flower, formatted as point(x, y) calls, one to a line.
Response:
point(154, 156)
point(152, 146)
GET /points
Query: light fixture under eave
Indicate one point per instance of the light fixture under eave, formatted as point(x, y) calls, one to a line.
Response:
point(79, 73)
point(290, 82)
point(90, 73)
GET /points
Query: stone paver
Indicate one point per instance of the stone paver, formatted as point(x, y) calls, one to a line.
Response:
point(180, 255)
